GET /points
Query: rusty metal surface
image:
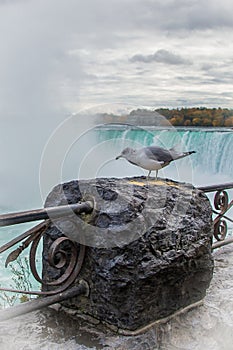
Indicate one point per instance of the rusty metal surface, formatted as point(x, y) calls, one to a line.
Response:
point(39, 303)
point(64, 254)
point(67, 256)
point(71, 260)
point(45, 213)
point(220, 207)
point(214, 188)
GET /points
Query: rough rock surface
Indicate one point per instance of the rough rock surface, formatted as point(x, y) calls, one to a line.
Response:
point(149, 248)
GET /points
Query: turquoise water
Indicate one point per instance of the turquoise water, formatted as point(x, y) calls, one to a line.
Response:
point(95, 155)
point(211, 164)
point(7, 275)
point(213, 148)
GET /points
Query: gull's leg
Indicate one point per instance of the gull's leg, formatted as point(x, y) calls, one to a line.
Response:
point(156, 177)
point(148, 175)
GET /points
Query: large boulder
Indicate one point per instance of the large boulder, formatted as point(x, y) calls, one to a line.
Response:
point(148, 249)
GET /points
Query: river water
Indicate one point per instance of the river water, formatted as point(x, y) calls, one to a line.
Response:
point(209, 326)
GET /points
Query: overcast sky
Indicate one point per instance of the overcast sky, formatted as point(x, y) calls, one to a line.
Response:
point(58, 56)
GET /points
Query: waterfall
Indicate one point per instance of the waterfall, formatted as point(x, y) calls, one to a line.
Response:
point(213, 147)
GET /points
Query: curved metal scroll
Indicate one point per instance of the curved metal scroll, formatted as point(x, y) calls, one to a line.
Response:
point(220, 230)
point(64, 255)
point(222, 205)
point(71, 261)
point(221, 201)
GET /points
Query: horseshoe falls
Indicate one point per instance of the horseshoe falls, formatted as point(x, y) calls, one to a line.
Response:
point(209, 165)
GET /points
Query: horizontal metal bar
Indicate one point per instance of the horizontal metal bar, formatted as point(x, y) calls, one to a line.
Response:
point(213, 188)
point(222, 243)
point(45, 213)
point(42, 226)
point(39, 303)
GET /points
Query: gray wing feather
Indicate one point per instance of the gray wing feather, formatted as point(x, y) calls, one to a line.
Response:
point(159, 154)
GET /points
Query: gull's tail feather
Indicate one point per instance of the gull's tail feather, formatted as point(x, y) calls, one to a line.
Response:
point(176, 155)
point(190, 152)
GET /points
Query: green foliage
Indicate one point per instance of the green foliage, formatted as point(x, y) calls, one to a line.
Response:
point(21, 274)
point(21, 280)
point(7, 299)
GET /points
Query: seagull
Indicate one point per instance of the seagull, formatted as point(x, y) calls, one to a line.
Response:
point(152, 157)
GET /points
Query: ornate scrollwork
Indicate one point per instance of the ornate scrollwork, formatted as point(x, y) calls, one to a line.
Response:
point(64, 255)
point(222, 205)
point(220, 230)
point(221, 201)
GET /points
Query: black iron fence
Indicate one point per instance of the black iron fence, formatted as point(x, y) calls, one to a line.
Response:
point(69, 255)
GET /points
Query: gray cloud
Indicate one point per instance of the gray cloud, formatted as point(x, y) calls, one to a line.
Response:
point(188, 14)
point(43, 76)
point(162, 56)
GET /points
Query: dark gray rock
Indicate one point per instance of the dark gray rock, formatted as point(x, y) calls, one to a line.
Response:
point(149, 248)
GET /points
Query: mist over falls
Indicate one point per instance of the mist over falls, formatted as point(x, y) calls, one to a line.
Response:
point(93, 155)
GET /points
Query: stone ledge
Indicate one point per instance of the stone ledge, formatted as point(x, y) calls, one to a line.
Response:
point(150, 252)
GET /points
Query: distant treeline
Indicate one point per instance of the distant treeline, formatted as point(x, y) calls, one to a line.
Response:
point(201, 116)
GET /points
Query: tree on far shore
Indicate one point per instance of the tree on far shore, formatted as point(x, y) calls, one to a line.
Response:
point(198, 116)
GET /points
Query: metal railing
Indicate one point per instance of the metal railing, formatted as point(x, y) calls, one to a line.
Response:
point(70, 255)
point(63, 253)
point(220, 207)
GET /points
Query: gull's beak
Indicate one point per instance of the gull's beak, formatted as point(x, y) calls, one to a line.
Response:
point(120, 156)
